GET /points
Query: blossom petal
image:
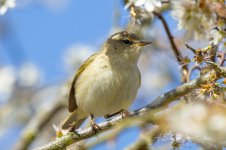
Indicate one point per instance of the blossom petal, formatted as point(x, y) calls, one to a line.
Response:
point(149, 6)
point(3, 10)
point(140, 2)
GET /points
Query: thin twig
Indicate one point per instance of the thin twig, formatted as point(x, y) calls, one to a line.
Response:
point(176, 51)
point(175, 94)
point(196, 67)
point(213, 52)
point(191, 48)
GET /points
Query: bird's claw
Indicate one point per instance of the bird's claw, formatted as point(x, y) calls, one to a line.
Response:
point(94, 126)
point(72, 129)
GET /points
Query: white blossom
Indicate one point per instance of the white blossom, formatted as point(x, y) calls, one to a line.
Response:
point(5, 5)
point(189, 116)
point(142, 10)
point(206, 122)
point(220, 125)
point(28, 75)
point(197, 20)
point(215, 37)
point(59, 131)
point(148, 5)
point(7, 81)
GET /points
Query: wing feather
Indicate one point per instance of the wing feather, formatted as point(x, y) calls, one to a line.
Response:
point(72, 105)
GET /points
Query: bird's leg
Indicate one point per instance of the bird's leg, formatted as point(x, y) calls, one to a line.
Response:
point(94, 126)
point(124, 113)
point(72, 129)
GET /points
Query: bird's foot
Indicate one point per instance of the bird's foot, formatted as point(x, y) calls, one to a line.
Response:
point(72, 129)
point(93, 125)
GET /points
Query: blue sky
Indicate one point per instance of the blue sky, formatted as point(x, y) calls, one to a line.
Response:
point(41, 35)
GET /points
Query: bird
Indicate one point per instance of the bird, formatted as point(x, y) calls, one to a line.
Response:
point(107, 82)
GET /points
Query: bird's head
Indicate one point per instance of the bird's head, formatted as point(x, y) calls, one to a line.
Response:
point(124, 44)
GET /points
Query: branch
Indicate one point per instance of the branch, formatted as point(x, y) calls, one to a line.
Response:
point(72, 137)
point(174, 47)
point(222, 58)
point(36, 124)
point(175, 94)
point(191, 48)
point(196, 67)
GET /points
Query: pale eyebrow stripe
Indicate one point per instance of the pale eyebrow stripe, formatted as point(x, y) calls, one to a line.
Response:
point(115, 37)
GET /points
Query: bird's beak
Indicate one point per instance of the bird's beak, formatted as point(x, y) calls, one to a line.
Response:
point(143, 43)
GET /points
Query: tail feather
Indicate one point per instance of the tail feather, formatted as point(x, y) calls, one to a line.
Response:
point(76, 117)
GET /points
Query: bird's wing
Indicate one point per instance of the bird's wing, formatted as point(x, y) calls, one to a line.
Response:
point(72, 99)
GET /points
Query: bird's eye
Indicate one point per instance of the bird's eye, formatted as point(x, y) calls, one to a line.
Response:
point(128, 42)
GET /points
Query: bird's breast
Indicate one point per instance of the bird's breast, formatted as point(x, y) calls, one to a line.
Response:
point(106, 87)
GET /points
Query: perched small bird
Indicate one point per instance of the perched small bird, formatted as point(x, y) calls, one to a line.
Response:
point(108, 81)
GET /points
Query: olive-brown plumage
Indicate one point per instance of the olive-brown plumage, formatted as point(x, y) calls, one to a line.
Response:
point(108, 81)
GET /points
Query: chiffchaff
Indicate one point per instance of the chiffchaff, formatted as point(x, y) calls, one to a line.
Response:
point(108, 81)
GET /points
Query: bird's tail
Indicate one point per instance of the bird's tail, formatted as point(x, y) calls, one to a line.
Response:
point(77, 116)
